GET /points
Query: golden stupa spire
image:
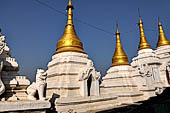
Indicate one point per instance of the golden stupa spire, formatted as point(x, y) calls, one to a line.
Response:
point(162, 38)
point(119, 58)
point(143, 42)
point(69, 42)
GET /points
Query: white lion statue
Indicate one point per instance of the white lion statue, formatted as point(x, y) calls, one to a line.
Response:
point(38, 86)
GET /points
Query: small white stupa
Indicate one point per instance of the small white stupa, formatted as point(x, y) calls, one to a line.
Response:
point(146, 65)
point(163, 52)
point(119, 79)
point(71, 73)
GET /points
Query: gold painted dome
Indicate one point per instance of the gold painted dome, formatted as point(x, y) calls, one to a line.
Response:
point(69, 42)
point(143, 42)
point(162, 38)
point(119, 58)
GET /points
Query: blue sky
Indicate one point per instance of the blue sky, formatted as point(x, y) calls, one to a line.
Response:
point(32, 30)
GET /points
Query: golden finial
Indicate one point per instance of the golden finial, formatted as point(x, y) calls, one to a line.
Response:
point(69, 42)
point(162, 38)
point(143, 42)
point(119, 58)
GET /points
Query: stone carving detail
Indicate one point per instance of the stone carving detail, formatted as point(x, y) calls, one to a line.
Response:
point(145, 70)
point(159, 90)
point(38, 86)
point(32, 91)
point(41, 83)
point(89, 70)
point(2, 43)
point(2, 47)
point(71, 111)
point(89, 80)
point(2, 86)
point(168, 67)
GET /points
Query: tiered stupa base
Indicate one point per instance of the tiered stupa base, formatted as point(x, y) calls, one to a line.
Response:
point(64, 75)
point(119, 82)
point(163, 52)
point(146, 66)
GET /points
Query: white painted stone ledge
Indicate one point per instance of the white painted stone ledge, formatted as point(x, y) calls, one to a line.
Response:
point(78, 100)
point(66, 54)
point(23, 105)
